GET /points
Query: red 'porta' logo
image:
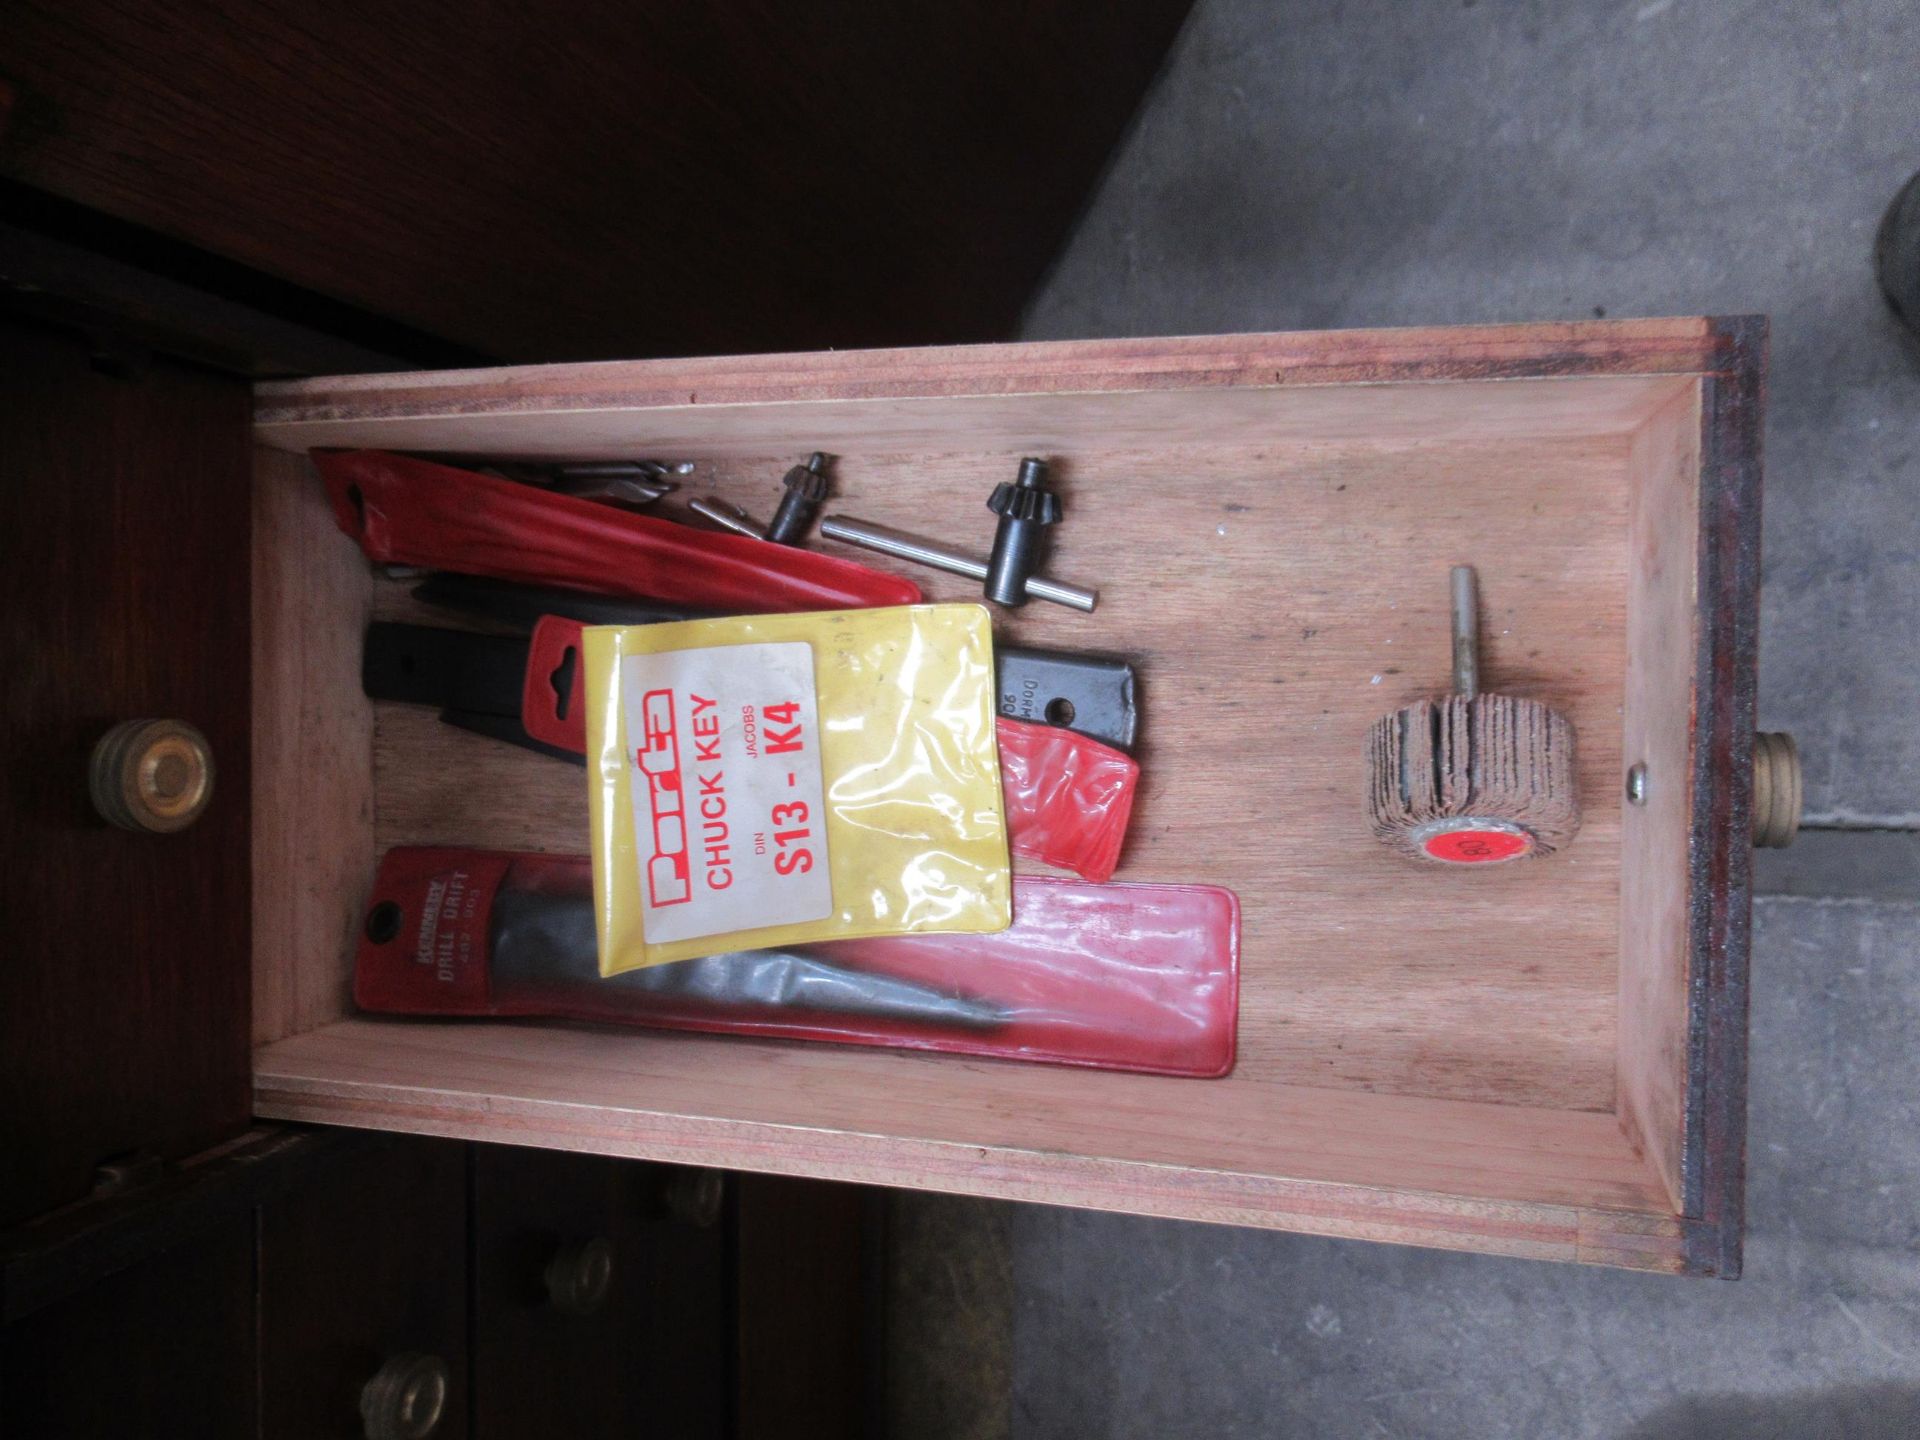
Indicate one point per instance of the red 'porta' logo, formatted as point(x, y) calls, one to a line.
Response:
point(669, 873)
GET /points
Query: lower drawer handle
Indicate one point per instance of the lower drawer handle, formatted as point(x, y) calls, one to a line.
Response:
point(694, 1196)
point(406, 1398)
point(579, 1277)
point(153, 775)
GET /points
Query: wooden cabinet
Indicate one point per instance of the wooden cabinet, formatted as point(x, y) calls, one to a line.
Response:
point(309, 1282)
point(252, 1290)
point(363, 1266)
point(591, 178)
point(162, 1271)
point(600, 1297)
point(803, 1313)
point(1546, 1061)
point(123, 565)
point(162, 1348)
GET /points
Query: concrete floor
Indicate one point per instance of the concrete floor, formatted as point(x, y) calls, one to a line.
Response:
point(1318, 164)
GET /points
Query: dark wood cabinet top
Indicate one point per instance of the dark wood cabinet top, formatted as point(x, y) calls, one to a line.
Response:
point(590, 178)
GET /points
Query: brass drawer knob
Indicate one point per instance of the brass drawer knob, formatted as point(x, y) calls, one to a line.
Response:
point(405, 1399)
point(580, 1276)
point(1776, 789)
point(152, 775)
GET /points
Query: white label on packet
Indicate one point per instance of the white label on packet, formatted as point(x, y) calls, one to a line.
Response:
point(729, 812)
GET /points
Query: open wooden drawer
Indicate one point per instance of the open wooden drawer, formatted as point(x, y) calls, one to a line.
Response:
point(1546, 1059)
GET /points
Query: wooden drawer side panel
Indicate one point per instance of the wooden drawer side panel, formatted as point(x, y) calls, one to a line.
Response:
point(312, 752)
point(1720, 915)
point(566, 1090)
point(1662, 641)
point(1188, 364)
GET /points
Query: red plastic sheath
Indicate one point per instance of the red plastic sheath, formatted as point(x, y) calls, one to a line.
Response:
point(406, 511)
point(1068, 797)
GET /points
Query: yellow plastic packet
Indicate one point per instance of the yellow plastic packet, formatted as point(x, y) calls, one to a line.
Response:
point(775, 779)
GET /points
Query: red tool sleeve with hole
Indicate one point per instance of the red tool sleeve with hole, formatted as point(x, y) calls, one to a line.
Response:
point(1118, 977)
point(406, 511)
point(1067, 797)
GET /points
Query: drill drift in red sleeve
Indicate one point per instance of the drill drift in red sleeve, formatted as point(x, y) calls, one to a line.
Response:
point(1118, 977)
point(406, 511)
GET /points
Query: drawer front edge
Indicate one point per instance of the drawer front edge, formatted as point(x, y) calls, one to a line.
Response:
point(1720, 879)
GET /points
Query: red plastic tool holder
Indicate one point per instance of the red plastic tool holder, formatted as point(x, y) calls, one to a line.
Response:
point(406, 511)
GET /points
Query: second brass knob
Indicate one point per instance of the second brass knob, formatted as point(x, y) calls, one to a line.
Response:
point(580, 1276)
